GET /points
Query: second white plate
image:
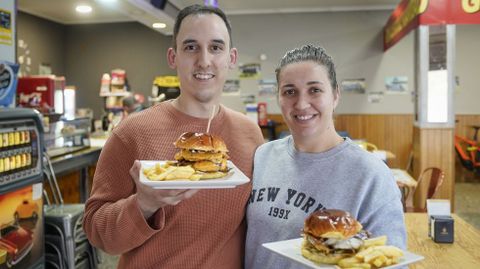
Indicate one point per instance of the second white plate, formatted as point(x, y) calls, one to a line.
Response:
point(234, 178)
point(291, 250)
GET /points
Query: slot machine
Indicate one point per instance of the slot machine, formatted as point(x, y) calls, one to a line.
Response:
point(21, 189)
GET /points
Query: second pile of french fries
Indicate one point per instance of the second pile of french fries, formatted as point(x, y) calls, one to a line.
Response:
point(374, 254)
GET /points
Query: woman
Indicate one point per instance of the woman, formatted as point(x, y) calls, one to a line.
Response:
point(315, 168)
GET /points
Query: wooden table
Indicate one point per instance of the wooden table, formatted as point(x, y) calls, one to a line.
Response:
point(464, 253)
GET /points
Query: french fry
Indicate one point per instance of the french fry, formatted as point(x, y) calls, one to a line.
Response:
point(195, 177)
point(364, 252)
point(374, 254)
point(388, 262)
point(353, 262)
point(390, 251)
point(180, 172)
point(377, 241)
point(169, 171)
point(348, 262)
point(163, 175)
point(379, 261)
point(159, 169)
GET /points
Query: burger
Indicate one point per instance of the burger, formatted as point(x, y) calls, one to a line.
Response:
point(331, 235)
point(206, 153)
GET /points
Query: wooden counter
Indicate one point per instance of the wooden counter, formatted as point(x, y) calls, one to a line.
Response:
point(463, 253)
point(74, 173)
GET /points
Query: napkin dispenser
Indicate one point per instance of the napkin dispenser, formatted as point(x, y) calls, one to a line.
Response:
point(440, 222)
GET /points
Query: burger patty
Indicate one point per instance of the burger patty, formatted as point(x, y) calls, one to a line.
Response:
point(206, 166)
point(196, 155)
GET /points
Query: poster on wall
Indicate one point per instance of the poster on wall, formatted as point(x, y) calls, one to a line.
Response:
point(396, 85)
point(353, 85)
point(232, 87)
point(7, 31)
point(6, 36)
point(267, 88)
point(251, 70)
point(375, 97)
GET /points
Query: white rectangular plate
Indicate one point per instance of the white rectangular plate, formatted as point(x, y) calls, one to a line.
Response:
point(291, 250)
point(234, 178)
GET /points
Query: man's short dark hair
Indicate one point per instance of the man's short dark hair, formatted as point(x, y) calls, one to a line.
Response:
point(196, 10)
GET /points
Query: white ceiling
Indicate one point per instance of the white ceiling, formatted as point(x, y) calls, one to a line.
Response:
point(107, 11)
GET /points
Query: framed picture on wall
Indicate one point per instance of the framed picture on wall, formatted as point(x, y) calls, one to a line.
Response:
point(353, 85)
point(396, 85)
point(267, 87)
point(232, 86)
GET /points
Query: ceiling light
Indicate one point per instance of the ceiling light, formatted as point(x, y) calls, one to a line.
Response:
point(159, 25)
point(83, 9)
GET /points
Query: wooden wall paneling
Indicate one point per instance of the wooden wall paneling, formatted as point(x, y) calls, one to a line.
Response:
point(375, 129)
point(389, 132)
point(398, 138)
point(434, 147)
point(463, 123)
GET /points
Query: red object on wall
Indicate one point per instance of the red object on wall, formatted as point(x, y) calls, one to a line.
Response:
point(262, 114)
point(41, 92)
point(409, 14)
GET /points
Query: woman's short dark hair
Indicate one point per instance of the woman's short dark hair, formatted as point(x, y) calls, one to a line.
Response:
point(196, 10)
point(312, 53)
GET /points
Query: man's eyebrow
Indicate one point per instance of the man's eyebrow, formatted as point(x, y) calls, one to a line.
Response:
point(220, 41)
point(287, 86)
point(189, 41)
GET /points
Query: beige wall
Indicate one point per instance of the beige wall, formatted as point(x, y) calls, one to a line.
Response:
point(354, 39)
point(45, 42)
point(95, 49)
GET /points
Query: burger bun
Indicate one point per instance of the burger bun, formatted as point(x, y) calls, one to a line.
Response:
point(201, 141)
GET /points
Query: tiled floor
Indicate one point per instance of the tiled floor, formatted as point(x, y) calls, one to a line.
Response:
point(107, 261)
point(467, 199)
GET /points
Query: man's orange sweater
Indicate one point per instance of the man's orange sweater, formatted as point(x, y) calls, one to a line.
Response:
point(205, 231)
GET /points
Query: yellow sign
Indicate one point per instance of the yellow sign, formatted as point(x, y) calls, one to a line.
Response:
point(167, 81)
point(471, 6)
point(5, 27)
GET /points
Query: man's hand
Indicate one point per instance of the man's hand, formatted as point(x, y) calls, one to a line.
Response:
point(150, 199)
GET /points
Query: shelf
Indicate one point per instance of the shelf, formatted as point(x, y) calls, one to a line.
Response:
point(115, 94)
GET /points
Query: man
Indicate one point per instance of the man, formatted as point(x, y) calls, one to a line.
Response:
point(154, 228)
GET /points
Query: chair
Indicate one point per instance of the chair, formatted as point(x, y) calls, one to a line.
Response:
point(436, 180)
point(366, 145)
point(370, 147)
